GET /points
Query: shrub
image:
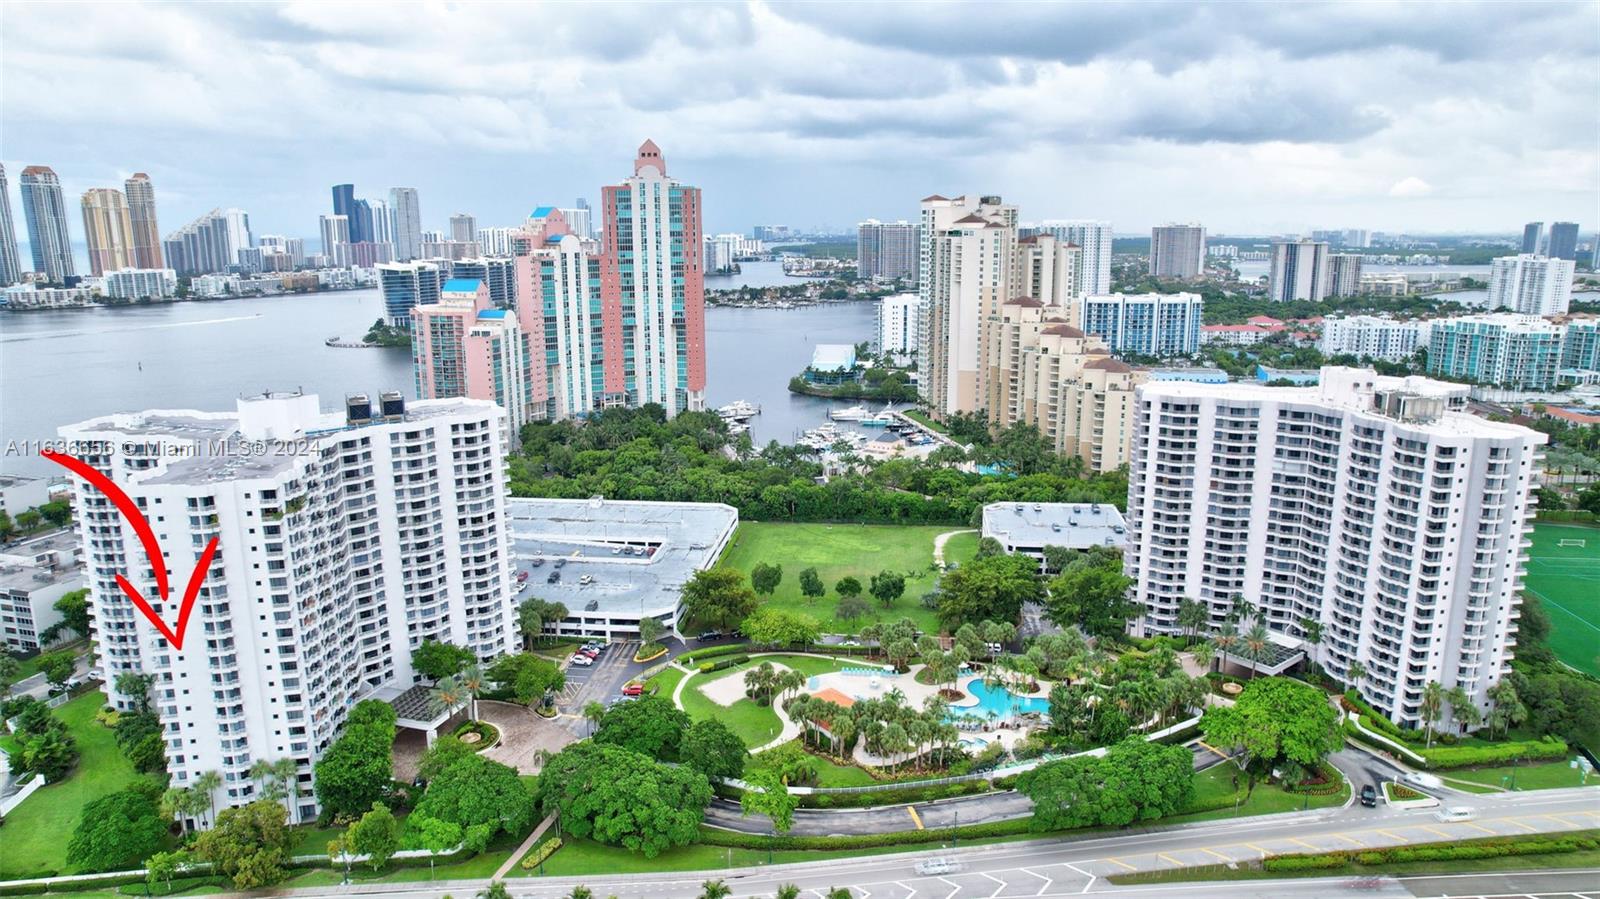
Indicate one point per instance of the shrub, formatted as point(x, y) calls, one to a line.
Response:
point(1524, 750)
point(1305, 862)
point(906, 796)
point(714, 837)
point(536, 857)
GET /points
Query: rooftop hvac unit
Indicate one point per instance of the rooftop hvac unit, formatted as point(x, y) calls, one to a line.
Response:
point(393, 403)
point(358, 408)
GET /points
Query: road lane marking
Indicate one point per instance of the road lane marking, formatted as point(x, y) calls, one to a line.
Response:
point(1080, 871)
point(998, 889)
point(1118, 861)
point(953, 892)
point(914, 819)
point(1215, 854)
point(1348, 839)
point(1528, 827)
point(1482, 828)
point(1435, 830)
point(1394, 836)
point(1047, 881)
point(1258, 849)
point(910, 890)
point(1303, 844)
point(1170, 860)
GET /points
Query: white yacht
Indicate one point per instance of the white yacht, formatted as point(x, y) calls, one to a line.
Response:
point(854, 413)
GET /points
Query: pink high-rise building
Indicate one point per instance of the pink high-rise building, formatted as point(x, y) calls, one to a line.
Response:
point(462, 346)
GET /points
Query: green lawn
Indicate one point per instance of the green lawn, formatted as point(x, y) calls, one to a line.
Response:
point(36, 832)
point(833, 775)
point(757, 725)
point(664, 683)
point(961, 549)
point(577, 858)
point(1565, 578)
point(923, 419)
point(1216, 782)
point(313, 840)
point(838, 550)
point(1547, 776)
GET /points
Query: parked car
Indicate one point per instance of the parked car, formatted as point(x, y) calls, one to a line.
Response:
point(560, 563)
point(938, 866)
point(537, 563)
point(1455, 813)
point(522, 577)
point(633, 689)
point(616, 550)
point(586, 579)
point(579, 658)
point(709, 635)
point(1369, 796)
point(554, 576)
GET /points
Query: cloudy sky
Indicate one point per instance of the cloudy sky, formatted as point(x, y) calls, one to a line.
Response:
point(1253, 119)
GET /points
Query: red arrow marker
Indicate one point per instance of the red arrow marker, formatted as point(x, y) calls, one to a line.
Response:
point(152, 549)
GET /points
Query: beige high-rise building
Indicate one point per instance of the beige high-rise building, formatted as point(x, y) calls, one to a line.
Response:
point(968, 250)
point(1046, 269)
point(1045, 372)
point(107, 230)
point(145, 234)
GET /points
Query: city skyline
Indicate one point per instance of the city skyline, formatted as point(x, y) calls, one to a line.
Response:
point(1095, 99)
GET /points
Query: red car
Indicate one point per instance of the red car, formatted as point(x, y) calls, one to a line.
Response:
point(633, 690)
point(522, 577)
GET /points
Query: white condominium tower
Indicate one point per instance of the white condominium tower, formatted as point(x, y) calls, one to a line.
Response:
point(887, 250)
point(1371, 505)
point(899, 324)
point(1094, 272)
point(968, 244)
point(1301, 270)
point(344, 541)
point(1532, 285)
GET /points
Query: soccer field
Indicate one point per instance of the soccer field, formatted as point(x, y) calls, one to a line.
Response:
point(1566, 579)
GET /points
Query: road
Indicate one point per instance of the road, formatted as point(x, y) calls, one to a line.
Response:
point(980, 809)
point(1064, 867)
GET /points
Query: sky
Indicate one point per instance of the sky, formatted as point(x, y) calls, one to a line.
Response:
point(1252, 119)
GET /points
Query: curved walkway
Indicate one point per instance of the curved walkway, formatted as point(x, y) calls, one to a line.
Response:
point(941, 540)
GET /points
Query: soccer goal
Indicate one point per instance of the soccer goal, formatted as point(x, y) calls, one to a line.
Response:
point(1573, 541)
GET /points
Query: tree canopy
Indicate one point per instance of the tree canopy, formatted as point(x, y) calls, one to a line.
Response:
point(357, 769)
point(772, 626)
point(1134, 781)
point(1091, 592)
point(621, 798)
point(436, 661)
point(992, 588)
point(1273, 719)
point(649, 725)
point(481, 796)
point(718, 597)
point(117, 831)
point(250, 844)
point(713, 749)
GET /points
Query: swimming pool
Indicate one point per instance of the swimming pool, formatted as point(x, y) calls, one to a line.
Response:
point(1002, 702)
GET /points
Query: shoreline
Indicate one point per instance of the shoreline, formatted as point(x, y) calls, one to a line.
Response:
point(169, 301)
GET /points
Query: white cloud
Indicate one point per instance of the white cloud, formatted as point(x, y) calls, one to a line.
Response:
point(1242, 115)
point(1410, 187)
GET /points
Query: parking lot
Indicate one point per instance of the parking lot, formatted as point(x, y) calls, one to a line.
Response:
point(602, 682)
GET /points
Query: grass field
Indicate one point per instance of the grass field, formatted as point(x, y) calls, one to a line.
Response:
point(1566, 579)
point(1548, 776)
point(756, 724)
point(838, 550)
point(36, 832)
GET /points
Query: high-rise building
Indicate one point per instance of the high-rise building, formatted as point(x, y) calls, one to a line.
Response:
point(407, 214)
point(44, 209)
point(107, 230)
point(1532, 235)
point(1372, 337)
point(899, 323)
point(345, 204)
point(462, 346)
point(382, 222)
point(463, 228)
point(141, 196)
point(1046, 269)
point(580, 219)
point(344, 540)
point(498, 274)
point(1373, 507)
point(887, 250)
point(336, 241)
point(1533, 285)
point(969, 246)
point(1503, 349)
point(1300, 271)
point(1177, 251)
point(1145, 324)
point(209, 244)
point(1580, 346)
point(405, 286)
point(10, 257)
point(361, 226)
point(497, 241)
point(1344, 274)
point(1094, 275)
point(1563, 241)
point(1045, 372)
point(652, 265)
point(292, 247)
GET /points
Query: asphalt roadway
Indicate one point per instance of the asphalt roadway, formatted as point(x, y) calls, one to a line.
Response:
point(1069, 867)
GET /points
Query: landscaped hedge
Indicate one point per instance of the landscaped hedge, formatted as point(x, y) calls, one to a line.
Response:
point(1332, 782)
point(536, 857)
point(1493, 847)
point(1470, 756)
point(1564, 515)
point(714, 837)
point(711, 652)
point(179, 884)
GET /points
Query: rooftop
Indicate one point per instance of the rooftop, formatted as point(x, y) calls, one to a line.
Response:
point(678, 539)
point(833, 357)
point(1032, 526)
point(461, 285)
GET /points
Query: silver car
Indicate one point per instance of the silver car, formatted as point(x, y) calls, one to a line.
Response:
point(935, 866)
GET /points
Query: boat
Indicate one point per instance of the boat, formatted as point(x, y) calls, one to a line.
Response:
point(882, 419)
point(854, 413)
point(738, 410)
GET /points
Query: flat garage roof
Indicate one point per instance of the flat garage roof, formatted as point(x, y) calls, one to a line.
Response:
point(594, 536)
point(1032, 526)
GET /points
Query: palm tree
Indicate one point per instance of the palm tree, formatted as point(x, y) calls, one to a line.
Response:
point(1241, 610)
point(1204, 654)
point(1256, 646)
point(787, 891)
point(1432, 706)
point(183, 804)
point(1191, 616)
point(1508, 708)
point(581, 892)
point(446, 696)
point(207, 785)
point(1225, 639)
point(715, 889)
point(593, 712)
point(1466, 714)
point(1312, 628)
point(495, 890)
point(844, 892)
point(275, 778)
point(472, 681)
point(1356, 672)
